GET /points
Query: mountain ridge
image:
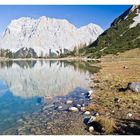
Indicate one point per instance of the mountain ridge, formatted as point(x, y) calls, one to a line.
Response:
point(123, 35)
point(45, 34)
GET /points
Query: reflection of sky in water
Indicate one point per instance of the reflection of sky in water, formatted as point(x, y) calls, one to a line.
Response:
point(22, 84)
point(12, 107)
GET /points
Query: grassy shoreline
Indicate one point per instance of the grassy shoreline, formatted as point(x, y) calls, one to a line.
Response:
point(114, 104)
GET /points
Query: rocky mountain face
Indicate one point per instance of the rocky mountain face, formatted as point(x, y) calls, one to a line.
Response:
point(25, 52)
point(45, 37)
point(123, 34)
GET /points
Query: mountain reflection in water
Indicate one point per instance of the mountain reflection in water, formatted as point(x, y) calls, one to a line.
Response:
point(42, 78)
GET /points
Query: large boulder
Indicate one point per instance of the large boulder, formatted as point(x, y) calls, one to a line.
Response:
point(134, 86)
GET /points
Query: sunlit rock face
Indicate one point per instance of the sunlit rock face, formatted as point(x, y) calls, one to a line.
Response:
point(47, 35)
point(42, 78)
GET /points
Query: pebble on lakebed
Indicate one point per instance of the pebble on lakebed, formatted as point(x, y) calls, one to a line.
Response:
point(78, 106)
point(82, 109)
point(73, 109)
point(87, 113)
point(69, 102)
point(60, 107)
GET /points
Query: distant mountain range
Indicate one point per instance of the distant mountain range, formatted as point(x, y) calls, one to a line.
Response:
point(123, 35)
point(45, 37)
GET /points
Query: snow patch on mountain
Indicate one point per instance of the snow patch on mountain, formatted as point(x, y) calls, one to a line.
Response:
point(134, 7)
point(136, 21)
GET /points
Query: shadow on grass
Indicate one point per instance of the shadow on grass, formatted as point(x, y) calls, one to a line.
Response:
point(129, 127)
point(122, 89)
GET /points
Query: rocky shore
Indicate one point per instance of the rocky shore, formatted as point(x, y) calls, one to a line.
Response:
point(63, 115)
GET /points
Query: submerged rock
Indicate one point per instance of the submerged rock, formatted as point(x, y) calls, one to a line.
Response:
point(20, 120)
point(69, 102)
point(87, 113)
point(73, 109)
point(82, 93)
point(82, 109)
point(134, 86)
point(60, 107)
point(78, 106)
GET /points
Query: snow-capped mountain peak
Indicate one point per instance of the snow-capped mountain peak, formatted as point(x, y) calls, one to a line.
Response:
point(47, 35)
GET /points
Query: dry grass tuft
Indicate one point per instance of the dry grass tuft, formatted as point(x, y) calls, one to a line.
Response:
point(107, 124)
point(95, 107)
point(91, 107)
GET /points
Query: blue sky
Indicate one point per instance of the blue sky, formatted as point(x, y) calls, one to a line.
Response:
point(78, 15)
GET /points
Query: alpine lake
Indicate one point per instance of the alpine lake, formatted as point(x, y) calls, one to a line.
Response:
point(34, 95)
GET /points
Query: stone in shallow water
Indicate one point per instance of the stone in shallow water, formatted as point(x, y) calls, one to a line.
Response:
point(82, 93)
point(82, 109)
point(69, 102)
point(73, 109)
point(87, 113)
point(78, 105)
point(20, 121)
point(60, 107)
